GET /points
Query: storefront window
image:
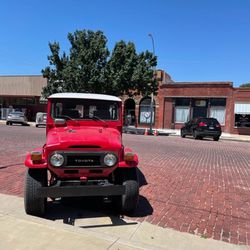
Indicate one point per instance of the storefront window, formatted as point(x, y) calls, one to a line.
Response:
point(181, 114)
point(218, 102)
point(182, 101)
point(218, 113)
point(242, 120)
point(145, 111)
point(242, 114)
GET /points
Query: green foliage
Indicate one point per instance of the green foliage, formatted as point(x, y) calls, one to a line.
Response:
point(89, 67)
point(245, 85)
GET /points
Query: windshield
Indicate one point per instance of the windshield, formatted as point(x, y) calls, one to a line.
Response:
point(84, 109)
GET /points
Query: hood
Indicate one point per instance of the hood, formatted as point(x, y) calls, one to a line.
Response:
point(72, 136)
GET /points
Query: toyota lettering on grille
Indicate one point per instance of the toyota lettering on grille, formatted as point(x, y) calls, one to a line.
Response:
point(84, 160)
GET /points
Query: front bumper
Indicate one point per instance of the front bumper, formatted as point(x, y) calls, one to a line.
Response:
point(60, 190)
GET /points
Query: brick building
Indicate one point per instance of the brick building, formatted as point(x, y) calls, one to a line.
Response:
point(178, 102)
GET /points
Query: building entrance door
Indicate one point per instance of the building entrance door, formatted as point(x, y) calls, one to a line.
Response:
point(199, 112)
point(129, 112)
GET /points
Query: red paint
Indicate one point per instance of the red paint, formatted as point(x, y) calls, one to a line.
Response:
point(88, 136)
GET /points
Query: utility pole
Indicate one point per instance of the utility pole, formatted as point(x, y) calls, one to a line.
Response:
point(152, 94)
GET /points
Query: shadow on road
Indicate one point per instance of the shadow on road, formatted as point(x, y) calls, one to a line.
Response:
point(71, 209)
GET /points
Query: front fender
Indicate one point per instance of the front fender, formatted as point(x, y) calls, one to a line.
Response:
point(129, 164)
point(30, 164)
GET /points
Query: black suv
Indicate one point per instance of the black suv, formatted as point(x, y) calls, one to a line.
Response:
point(202, 127)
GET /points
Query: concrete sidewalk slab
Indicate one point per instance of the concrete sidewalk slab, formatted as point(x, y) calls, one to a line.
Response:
point(20, 231)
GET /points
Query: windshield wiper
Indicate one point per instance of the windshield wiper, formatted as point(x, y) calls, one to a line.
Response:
point(96, 118)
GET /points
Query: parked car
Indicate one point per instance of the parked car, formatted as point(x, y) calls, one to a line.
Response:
point(41, 119)
point(202, 127)
point(83, 155)
point(16, 117)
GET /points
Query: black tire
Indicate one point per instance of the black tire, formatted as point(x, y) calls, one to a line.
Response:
point(129, 200)
point(7, 123)
point(36, 126)
point(195, 135)
point(34, 179)
point(129, 178)
point(182, 134)
point(216, 138)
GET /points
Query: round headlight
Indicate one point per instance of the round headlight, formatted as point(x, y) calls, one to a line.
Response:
point(56, 160)
point(110, 160)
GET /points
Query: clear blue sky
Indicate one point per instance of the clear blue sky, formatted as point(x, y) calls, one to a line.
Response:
point(195, 40)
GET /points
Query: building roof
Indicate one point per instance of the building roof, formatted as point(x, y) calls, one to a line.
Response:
point(86, 96)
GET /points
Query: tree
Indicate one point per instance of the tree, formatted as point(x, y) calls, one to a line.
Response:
point(89, 67)
point(245, 85)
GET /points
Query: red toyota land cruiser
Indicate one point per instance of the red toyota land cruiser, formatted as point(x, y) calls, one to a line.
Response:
point(83, 155)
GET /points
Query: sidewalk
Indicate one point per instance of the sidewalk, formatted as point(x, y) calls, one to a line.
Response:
point(224, 136)
point(90, 231)
point(176, 132)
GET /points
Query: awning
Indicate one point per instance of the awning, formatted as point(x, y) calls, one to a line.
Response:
point(242, 108)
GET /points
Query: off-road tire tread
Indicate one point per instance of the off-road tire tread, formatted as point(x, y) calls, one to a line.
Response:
point(34, 179)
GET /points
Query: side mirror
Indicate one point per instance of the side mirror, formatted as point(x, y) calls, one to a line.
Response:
point(60, 122)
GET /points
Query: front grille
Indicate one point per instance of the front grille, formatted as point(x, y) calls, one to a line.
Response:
point(83, 160)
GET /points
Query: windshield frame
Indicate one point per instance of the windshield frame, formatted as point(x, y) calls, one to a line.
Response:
point(87, 109)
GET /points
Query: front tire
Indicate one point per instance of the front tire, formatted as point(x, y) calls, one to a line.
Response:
point(129, 200)
point(216, 138)
point(34, 179)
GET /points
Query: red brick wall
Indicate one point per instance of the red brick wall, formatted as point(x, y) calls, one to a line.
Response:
point(196, 90)
point(240, 95)
point(164, 102)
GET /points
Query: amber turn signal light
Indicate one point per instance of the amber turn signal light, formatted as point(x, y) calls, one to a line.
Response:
point(36, 155)
point(129, 156)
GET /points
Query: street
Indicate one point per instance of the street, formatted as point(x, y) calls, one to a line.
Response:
point(196, 186)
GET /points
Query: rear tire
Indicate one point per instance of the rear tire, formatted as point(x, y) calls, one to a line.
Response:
point(216, 138)
point(195, 135)
point(182, 134)
point(7, 123)
point(34, 179)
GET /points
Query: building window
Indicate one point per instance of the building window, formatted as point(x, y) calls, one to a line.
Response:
point(218, 113)
point(242, 114)
point(218, 102)
point(181, 114)
point(144, 113)
point(182, 101)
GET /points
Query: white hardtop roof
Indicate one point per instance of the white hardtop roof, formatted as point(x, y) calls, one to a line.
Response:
point(86, 96)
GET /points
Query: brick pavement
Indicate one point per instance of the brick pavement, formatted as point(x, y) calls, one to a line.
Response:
point(200, 187)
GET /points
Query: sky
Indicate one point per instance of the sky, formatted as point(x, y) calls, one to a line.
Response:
point(195, 40)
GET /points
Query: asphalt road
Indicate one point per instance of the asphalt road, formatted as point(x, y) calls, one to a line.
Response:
point(200, 187)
